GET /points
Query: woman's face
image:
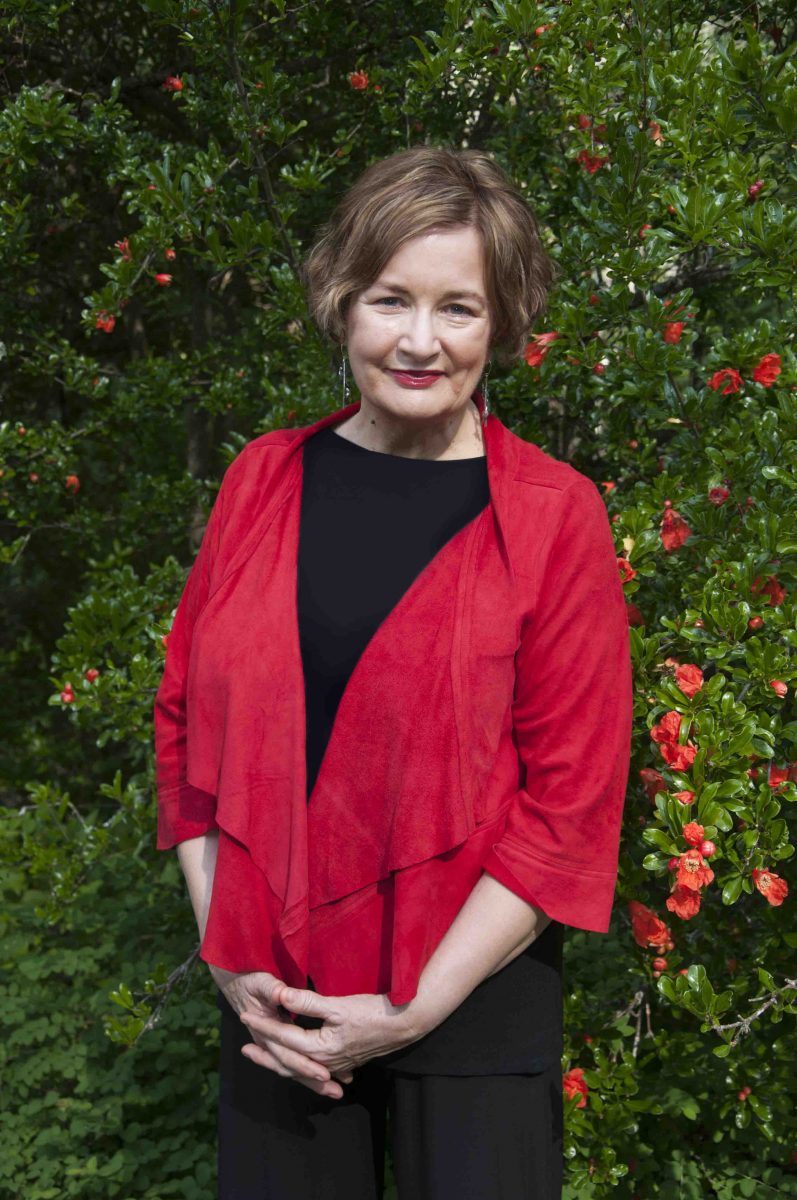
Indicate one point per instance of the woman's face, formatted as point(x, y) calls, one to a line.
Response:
point(427, 311)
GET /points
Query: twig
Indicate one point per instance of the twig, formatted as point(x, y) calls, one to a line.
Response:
point(743, 1024)
point(176, 977)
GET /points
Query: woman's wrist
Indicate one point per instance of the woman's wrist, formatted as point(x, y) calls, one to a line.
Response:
point(220, 976)
point(493, 918)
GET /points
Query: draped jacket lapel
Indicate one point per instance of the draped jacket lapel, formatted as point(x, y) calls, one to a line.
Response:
point(417, 729)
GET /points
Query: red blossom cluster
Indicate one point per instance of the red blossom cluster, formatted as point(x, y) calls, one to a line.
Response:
point(765, 372)
point(591, 162)
point(692, 871)
point(678, 755)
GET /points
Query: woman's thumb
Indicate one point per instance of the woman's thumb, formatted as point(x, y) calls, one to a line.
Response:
point(298, 1001)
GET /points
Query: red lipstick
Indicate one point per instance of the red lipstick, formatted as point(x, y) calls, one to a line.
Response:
point(416, 379)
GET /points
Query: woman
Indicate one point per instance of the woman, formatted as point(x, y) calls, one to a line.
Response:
point(393, 730)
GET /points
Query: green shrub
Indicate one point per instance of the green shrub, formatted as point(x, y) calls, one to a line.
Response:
point(206, 143)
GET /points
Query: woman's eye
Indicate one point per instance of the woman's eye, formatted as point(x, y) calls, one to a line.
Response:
point(461, 307)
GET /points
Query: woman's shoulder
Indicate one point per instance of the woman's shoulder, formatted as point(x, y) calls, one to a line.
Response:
point(246, 479)
point(541, 470)
point(255, 454)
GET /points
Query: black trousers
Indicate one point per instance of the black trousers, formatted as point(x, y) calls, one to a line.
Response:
point(452, 1137)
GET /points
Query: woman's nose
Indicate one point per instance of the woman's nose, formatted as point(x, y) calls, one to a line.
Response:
point(418, 336)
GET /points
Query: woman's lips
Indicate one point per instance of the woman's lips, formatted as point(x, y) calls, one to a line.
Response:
point(416, 379)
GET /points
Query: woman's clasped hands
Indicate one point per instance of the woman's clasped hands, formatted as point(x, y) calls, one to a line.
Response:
point(355, 1029)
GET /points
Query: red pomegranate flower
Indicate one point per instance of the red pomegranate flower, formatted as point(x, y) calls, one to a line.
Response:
point(772, 588)
point(767, 370)
point(772, 887)
point(665, 734)
point(689, 679)
point(652, 781)
point(668, 728)
point(538, 347)
point(647, 928)
point(729, 375)
point(674, 530)
point(778, 775)
point(626, 570)
point(573, 1085)
point(685, 903)
point(693, 833)
point(693, 871)
point(591, 162)
point(105, 321)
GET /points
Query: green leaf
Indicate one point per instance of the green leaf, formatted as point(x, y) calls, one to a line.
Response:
point(732, 890)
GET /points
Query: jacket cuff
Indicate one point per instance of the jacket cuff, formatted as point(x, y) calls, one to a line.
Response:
point(184, 812)
point(498, 869)
point(569, 894)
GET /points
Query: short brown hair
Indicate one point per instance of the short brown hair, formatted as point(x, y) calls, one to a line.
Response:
point(410, 193)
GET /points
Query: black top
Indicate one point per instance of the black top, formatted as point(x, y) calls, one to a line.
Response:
point(370, 523)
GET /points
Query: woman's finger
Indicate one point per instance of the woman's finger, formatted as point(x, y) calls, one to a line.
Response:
point(279, 1030)
point(292, 1065)
point(291, 1061)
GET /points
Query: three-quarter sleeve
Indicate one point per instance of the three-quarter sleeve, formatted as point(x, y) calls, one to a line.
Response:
point(572, 717)
point(184, 811)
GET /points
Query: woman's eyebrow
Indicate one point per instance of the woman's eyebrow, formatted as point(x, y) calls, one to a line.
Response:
point(396, 287)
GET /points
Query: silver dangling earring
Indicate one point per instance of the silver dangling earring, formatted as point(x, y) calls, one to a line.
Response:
point(342, 376)
point(486, 411)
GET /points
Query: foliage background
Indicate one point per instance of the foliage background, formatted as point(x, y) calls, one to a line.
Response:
point(655, 141)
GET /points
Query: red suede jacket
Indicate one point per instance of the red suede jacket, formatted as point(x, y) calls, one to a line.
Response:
point(485, 727)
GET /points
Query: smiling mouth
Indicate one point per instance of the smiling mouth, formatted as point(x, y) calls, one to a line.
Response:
point(402, 371)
